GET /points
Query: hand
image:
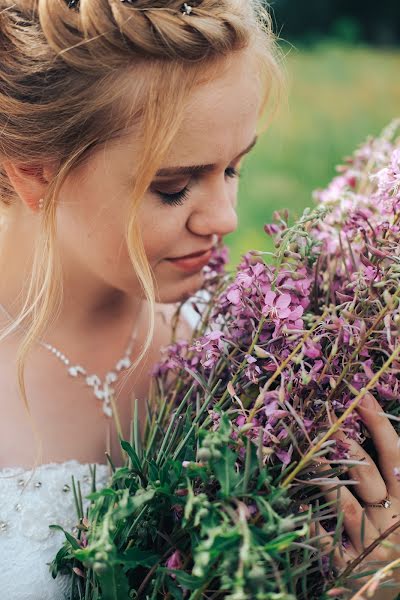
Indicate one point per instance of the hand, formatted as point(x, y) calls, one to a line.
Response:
point(374, 484)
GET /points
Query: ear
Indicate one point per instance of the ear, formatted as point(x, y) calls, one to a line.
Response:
point(30, 181)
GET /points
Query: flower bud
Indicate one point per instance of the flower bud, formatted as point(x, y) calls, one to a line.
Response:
point(100, 556)
point(99, 567)
point(387, 296)
point(246, 428)
point(208, 442)
point(204, 454)
point(286, 525)
point(260, 352)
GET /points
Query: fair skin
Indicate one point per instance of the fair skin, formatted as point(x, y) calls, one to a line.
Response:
point(373, 485)
point(102, 294)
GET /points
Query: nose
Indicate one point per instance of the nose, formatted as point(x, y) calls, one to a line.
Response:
point(215, 210)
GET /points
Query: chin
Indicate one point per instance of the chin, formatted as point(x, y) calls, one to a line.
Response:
point(180, 291)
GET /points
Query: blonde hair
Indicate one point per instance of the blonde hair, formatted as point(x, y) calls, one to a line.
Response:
point(64, 90)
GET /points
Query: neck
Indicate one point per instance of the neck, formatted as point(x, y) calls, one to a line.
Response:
point(89, 304)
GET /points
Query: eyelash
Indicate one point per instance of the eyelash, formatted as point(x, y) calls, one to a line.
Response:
point(179, 198)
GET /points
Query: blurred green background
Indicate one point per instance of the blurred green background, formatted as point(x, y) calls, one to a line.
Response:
point(344, 84)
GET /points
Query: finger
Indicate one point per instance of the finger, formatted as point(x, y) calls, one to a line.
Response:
point(326, 541)
point(342, 555)
point(359, 528)
point(385, 439)
point(370, 487)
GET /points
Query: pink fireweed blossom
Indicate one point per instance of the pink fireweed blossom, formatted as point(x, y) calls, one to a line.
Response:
point(253, 370)
point(274, 413)
point(388, 178)
point(278, 308)
point(234, 295)
point(174, 357)
point(210, 347)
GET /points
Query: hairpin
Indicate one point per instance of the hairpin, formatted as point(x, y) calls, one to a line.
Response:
point(186, 9)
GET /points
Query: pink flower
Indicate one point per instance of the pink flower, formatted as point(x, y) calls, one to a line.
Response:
point(234, 296)
point(285, 456)
point(278, 307)
point(174, 562)
point(253, 370)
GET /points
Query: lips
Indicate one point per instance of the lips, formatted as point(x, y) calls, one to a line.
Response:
point(192, 263)
point(194, 255)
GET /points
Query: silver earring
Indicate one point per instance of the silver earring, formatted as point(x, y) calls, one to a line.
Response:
point(41, 204)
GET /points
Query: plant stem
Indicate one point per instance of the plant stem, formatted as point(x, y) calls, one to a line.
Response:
point(375, 577)
point(351, 566)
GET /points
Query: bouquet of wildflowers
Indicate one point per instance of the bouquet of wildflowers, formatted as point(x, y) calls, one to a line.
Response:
point(211, 502)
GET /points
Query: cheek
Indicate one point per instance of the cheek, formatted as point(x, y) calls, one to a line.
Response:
point(107, 250)
point(161, 228)
point(94, 236)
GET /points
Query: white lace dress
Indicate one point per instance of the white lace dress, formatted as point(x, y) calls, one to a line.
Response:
point(27, 544)
point(27, 507)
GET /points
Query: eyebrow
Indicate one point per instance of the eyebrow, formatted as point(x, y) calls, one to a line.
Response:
point(199, 169)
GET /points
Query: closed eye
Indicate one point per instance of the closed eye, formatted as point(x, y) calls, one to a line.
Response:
point(178, 198)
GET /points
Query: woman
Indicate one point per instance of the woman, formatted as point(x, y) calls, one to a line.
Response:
point(123, 127)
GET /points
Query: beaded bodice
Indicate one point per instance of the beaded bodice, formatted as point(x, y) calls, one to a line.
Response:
point(28, 505)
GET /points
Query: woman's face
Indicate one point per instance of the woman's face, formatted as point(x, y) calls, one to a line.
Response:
point(182, 213)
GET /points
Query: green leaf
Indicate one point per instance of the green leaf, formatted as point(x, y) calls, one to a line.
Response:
point(133, 456)
point(114, 584)
point(101, 494)
point(224, 469)
point(74, 543)
point(135, 557)
point(62, 558)
point(136, 433)
point(130, 504)
point(153, 470)
point(282, 542)
point(199, 379)
point(173, 589)
point(190, 582)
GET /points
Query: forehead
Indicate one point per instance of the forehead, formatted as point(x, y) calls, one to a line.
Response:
point(218, 122)
point(221, 115)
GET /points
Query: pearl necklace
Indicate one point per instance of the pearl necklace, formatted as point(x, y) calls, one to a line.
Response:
point(102, 390)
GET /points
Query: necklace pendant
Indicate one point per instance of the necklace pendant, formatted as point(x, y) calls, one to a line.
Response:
point(108, 394)
point(93, 380)
point(74, 371)
point(105, 393)
point(107, 409)
point(99, 393)
point(124, 363)
point(111, 377)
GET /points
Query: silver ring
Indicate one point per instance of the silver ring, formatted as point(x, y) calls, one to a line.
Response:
point(385, 503)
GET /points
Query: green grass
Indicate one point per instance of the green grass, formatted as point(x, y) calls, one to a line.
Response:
point(337, 96)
